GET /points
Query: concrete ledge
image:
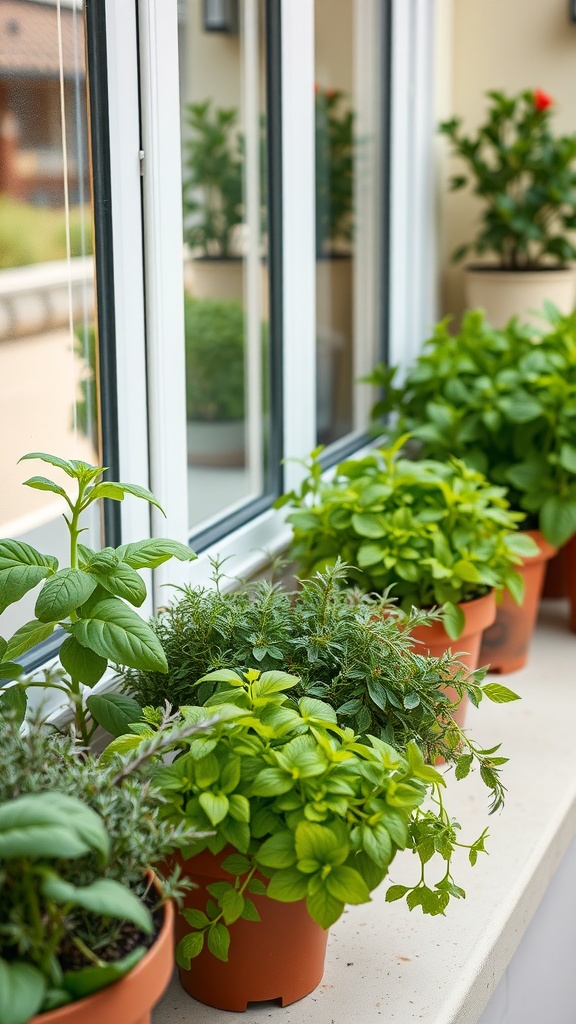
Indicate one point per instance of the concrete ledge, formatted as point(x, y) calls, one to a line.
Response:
point(37, 298)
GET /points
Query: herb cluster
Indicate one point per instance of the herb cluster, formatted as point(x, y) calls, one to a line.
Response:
point(439, 533)
point(504, 401)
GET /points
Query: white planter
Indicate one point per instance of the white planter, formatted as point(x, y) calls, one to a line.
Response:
point(503, 294)
point(219, 443)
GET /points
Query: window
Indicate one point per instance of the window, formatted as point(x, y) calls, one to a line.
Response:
point(48, 330)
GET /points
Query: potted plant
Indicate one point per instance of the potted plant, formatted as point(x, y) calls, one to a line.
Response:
point(88, 600)
point(305, 814)
point(503, 401)
point(525, 177)
point(215, 384)
point(86, 935)
point(437, 532)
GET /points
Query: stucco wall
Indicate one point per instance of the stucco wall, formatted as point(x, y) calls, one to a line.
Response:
point(497, 44)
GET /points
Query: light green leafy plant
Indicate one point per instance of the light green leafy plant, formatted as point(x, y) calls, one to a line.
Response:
point(504, 402)
point(313, 811)
point(87, 599)
point(439, 533)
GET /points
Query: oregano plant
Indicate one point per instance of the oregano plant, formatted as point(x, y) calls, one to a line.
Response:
point(90, 600)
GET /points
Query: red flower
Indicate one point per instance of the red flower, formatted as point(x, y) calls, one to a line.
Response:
point(542, 100)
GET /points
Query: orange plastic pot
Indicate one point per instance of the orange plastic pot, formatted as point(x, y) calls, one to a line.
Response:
point(569, 552)
point(131, 999)
point(281, 957)
point(478, 616)
point(505, 645)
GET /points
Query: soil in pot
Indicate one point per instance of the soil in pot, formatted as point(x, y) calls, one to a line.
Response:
point(505, 645)
point(281, 957)
point(479, 615)
point(131, 999)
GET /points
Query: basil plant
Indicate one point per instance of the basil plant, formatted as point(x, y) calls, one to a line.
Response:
point(310, 811)
point(89, 600)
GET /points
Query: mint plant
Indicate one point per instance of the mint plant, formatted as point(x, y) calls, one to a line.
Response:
point(313, 811)
point(505, 403)
point(87, 599)
point(437, 533)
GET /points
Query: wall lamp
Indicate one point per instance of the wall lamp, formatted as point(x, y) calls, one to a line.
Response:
point(221, 16)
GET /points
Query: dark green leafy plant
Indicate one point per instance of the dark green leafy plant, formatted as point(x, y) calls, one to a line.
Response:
point(439, 533)
point(76, 840)
point(334, 170)
point(87, 600)
point(505, 403)
point(526, 178)
point(314, 811)
point(212, 179)
point(214, 359)
point(344, 646)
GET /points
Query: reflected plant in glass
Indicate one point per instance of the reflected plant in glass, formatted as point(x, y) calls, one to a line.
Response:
point(334, 170)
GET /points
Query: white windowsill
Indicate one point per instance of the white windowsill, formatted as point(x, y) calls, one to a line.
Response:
point(386, 964)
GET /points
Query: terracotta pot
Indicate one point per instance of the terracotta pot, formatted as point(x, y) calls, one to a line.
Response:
point(507, 293)
point(478, 614)
point(279, 957)
point(569, 551)
point(131, 999)
point(505, 645)
point(556, 577)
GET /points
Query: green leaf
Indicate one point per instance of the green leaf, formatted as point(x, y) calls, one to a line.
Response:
point(115, 631)
point(347, 885)
point(318, 843)
point(463, 766)
point(232, 904)
point(454, 620)
point(22, 989)
point(121, 746)
point(149, 554)
point(188, 948)
point(123, 582)
point(105, 897)
point(52, 460)
point(63, 593)
point(14, 702)
point(558, 519)
point(118, 491)
point(499, 694)
point(114, 711)
point(28, 636)
point(91, 979)
point(249, 912)
point(50, 825)
point(323, 907)
point(195, 918)
point(236, 864)
point(313, 710)
point(22, 568)
point(279, 851)
point(272, 782)
point(368, 525)
point(256, 887)
point(567, 457)
point(42, 483)
point(82, 663)
point(215, 806)
point(219, 941)
point(288, 886)
point(396, 892)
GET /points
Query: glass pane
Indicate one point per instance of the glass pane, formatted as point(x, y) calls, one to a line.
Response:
point(47, 320)
point(348, 35)
point(222, 82)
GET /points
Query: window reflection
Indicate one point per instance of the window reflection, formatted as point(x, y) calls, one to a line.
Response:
point(47, 321)
point(222, 74)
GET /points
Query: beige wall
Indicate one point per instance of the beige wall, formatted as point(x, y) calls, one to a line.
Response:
point(497, 44)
